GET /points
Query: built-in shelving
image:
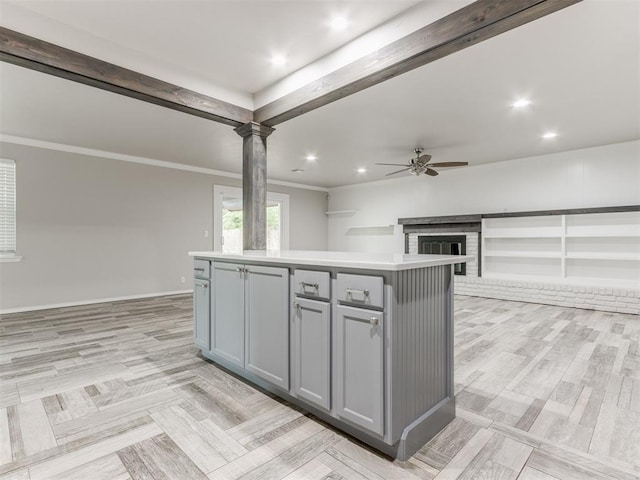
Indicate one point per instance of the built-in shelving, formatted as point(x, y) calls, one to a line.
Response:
point(585, 249)
point(524, 254)
point(604, 256)
point(522, 235)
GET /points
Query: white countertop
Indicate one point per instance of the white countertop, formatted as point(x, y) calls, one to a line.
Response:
point(370, 261)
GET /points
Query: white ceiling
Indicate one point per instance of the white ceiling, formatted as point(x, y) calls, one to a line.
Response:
point(580, 67)
point(226, 43)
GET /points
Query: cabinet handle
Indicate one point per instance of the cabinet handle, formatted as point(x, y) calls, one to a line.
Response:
point(306, 285)
point(350, 291)
point(203, 285)
point(373, 321)
point(240, 269)
point(198, 270)
point(296, 305)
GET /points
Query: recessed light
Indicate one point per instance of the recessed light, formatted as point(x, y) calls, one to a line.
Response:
point(339, 23)
point(361, 170)
point(297, 170)
point(549, 135)
point(278, 59)
point(311, 157)
point(521, 103)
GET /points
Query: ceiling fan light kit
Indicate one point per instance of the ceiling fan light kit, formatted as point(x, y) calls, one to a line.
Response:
point(420, 164)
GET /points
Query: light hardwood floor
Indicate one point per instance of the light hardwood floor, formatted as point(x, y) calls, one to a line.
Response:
point(117, 391)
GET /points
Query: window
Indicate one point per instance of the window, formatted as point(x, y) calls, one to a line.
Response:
point(7, 208)
point(227, 220)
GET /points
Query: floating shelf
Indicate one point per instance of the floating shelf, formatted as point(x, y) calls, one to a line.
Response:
point(371, 229)
point(339, 212)
point(363, 227)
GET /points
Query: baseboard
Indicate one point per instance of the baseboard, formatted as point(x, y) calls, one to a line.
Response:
point(90, 302)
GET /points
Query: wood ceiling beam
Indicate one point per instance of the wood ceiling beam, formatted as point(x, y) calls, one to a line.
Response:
point(472, 24)
point(42, 56)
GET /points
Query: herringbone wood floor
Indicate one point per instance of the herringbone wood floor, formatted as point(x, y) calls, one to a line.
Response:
point(117, 391)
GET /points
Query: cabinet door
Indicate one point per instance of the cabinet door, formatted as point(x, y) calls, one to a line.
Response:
point(311, 364)
point(227, 332)
point(359, 367)
point(201, 313)
point(267, 320)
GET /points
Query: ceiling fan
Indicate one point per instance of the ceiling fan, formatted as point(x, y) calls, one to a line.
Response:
point(420, 164)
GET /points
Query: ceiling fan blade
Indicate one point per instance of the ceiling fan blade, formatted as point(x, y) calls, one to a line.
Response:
point(430, 171)
point(449, 164)
point(423, 158)
point(398, 171)
point(394, 164)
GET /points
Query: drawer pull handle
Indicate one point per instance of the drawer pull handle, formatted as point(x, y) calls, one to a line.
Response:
point(350, 291)
point(203, 285)
point(373, 321)
point(306, 285)
point(198, 270)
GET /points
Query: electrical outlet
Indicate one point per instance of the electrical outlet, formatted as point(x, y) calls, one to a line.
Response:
point(206, 234)
point(183, 280)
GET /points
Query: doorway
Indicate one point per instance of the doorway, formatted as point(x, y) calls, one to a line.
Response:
point(227, 220)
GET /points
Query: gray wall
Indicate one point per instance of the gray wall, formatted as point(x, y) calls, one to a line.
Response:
point(92, 228)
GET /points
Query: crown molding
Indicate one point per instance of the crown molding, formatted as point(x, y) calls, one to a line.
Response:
point(61, 147)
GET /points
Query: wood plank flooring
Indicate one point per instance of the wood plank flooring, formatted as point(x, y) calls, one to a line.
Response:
point(118, 391)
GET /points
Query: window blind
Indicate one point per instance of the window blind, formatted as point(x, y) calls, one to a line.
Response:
point(7, 206)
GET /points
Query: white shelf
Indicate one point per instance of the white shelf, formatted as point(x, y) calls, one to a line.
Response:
point(372, 229)
point(603, 235)
point(521, 235)
point(340, 212)
point(604, 256)
point(590, 249)
point(524, 254)
point(371, 226)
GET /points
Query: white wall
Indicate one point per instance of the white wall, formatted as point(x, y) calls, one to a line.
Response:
point(92, 228)
point(594, 177)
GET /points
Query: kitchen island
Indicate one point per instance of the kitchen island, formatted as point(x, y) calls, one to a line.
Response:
point(363, 341)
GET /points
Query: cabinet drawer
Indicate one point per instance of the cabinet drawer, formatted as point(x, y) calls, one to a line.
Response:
point(312, 284)
point(361, 290)
point(202, 268)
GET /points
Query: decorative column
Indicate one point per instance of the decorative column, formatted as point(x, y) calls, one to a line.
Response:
point(254, 185)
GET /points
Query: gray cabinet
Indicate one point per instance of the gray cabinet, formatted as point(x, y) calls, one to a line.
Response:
point(201, 312)
point(359, 367)
point(311, 351)
point(227, 325)
point(267, 326)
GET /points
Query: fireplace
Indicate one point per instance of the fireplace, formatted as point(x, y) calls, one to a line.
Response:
point(445, 245)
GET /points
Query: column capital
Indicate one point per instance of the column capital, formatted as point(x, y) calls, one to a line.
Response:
point(254, 128)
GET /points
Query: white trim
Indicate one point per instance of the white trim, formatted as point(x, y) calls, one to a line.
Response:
point(90, 302)
point(10, 258)
point(61, 147)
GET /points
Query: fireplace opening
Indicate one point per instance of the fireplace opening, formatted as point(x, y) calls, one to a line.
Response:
point(445, 245)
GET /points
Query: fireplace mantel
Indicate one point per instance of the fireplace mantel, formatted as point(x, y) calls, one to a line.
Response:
point(446, 224)
point(473, 222)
